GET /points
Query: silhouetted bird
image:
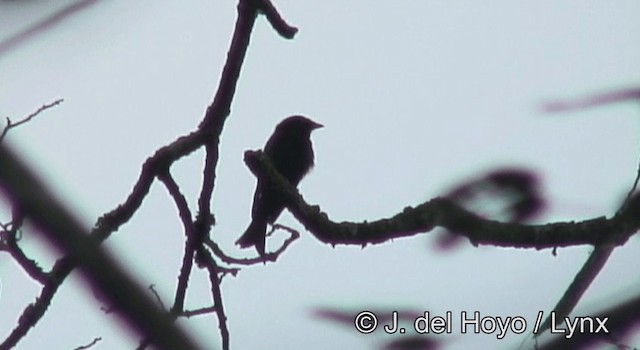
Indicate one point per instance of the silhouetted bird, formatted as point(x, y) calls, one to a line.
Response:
point(290, 151)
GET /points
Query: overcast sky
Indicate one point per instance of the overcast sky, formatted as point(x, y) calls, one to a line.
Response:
point(415, 96)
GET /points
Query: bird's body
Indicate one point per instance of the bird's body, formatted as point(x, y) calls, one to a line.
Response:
point(289, 149)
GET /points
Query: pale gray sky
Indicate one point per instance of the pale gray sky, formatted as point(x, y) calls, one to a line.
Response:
point(415, 96)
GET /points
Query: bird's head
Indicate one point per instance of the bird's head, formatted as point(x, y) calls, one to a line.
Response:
point(298, 123)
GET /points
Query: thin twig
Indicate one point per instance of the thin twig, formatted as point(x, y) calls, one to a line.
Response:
point(215, 248)
point(198, 312)
point(153, 290)
point(269, 257)
point(90, 345)
point(12, 125)
point(632, 190)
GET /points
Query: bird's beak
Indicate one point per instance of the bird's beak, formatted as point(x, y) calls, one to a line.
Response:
point(316, 126)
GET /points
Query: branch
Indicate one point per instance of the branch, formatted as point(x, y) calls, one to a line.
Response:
point(621, 95)
point(11, 125)
point(620, 320)
point(273, 256)
point(444, 213)
point(276, 21)
point(105, 225)
point(44, 24)
point(219, 110)
point(198, 312)
point(90, 345)
point(65, 232)
point(581, 282)
point(595, 100)
point(155, 165)
point(34, 312)
point(9, 242)
point(153, 290)
point(208, 134)
point(190, 245)
point(30, 266)
point(216, 293)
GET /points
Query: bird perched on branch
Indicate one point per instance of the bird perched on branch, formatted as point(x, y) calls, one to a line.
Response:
point(289, 149)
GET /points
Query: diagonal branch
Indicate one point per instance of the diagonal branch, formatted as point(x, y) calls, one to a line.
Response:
point(9, 242)
point(29, 266)
point(34, 312)
point(152, 167)
point(619, 320)
point(105, 225)
point(581, 282)
point(11, 125)
point(595, 100)
point(65, 232)
point(43, 25)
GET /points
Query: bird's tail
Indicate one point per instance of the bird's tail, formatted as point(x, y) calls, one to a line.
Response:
point(254, 236)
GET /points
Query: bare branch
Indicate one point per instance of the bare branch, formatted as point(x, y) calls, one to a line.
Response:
point(581, 282)
point(276, 21)
point(219, 110)
point(34, 312)
point(9, 237)
point(198, 312)
point(216, 293)
point(272, 257)
point(44, 24)
point(12, 125)
point(153, 290)
point(190, 245)
point(90, 345)
point(28, 265)
point(152, 167)
point(208, 134)
point(619, 320)
point(622, 95)
point(444, 213)
point(65, 232)
point(633, 188)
